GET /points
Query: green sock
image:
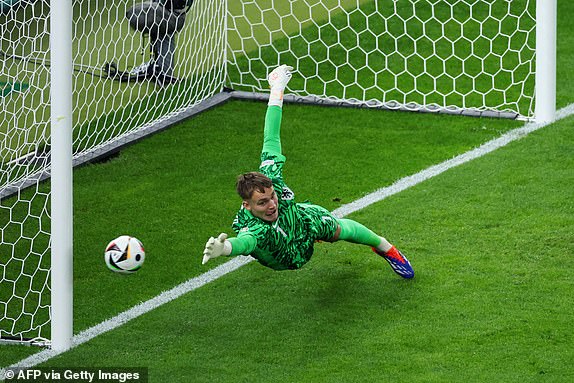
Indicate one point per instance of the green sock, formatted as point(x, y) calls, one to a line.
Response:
point(352, 231)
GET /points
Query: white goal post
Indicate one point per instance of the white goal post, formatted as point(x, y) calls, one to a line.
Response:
point(545, 61)
point(80, 79)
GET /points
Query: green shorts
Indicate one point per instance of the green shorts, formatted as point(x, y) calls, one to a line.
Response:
point(322, 225)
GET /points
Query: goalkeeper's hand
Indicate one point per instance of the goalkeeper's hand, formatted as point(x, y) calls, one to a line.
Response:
point(216, 247)
point(278, 80)
point(279, 77)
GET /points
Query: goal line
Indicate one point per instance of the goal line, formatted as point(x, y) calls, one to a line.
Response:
point(236, 263)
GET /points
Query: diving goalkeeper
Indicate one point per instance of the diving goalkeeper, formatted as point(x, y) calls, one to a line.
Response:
point(271, 226)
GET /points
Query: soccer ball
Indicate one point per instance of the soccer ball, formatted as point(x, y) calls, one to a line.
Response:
point(125, 255)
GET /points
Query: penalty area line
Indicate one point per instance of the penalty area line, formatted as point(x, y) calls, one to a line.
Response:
point(237, 262)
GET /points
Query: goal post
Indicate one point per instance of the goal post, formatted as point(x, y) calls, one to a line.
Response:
point(80, 80)
point(61, 174)
point(545, 61)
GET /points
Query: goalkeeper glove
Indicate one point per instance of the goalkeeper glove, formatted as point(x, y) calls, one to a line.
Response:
point(278, 80)
point(216, 247)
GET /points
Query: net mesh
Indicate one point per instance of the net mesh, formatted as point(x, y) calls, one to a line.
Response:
point(426, 55)
point(107, 108)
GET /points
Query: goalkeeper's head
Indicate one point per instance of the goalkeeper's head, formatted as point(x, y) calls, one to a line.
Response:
point(258, 194)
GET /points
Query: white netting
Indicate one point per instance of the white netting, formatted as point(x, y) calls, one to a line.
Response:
point(24, 220)
point(452, 55)
point(187, 69)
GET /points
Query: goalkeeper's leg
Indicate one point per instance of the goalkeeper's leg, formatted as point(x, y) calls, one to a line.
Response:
point(352, 231)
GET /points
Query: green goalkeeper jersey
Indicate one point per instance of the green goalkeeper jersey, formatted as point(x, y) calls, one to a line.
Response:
point(288, 242)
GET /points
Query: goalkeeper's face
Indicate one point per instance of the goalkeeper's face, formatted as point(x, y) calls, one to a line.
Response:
point(263, 205)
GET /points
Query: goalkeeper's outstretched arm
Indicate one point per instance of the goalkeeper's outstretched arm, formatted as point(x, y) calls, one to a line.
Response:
point(278, 80)
point(216, 247)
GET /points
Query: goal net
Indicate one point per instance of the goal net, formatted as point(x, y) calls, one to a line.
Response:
point(458, 56)
point(118, 96)
point(470, 57)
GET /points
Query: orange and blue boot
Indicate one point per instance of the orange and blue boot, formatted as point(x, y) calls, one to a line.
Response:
point(398, 262)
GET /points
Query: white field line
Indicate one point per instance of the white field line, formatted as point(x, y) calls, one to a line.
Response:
point(235, 263)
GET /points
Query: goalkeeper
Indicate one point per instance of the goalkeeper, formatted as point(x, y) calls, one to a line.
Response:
point(271, 226)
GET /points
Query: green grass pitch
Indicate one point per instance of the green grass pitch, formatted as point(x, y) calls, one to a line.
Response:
point(490, 244)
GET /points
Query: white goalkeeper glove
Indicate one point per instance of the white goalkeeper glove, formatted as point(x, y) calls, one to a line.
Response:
point(216, 247)
point(278, 80)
